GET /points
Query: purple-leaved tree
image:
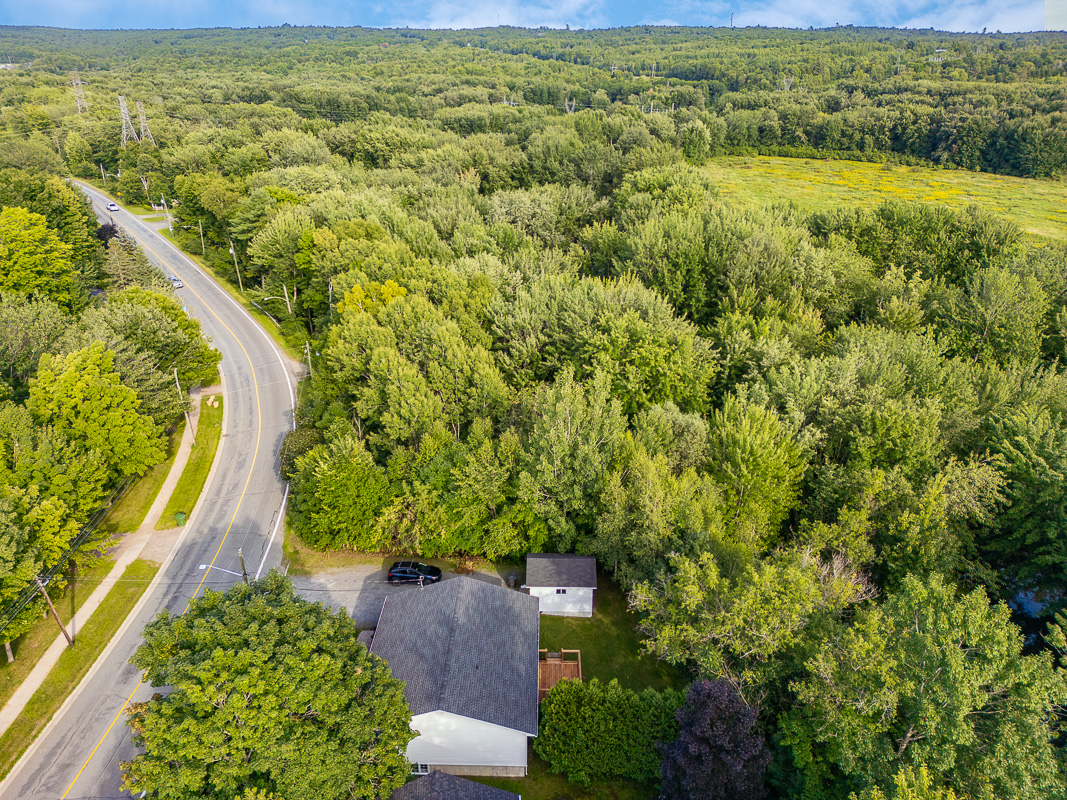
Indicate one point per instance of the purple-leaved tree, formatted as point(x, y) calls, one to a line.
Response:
point(719, 752)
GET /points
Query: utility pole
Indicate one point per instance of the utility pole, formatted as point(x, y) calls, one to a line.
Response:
point(103, 177)
point(146, 135)
point(170, 219)
point(237, 269)
point(244, 572)
point(128, 131)
point(79, 95)
point(185, 405)
point(52, 608)
point(307, 352)
point(203, 250)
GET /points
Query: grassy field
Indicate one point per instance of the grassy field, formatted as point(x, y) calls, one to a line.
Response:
point(29, 647)
point(75, 662)
point(129, 512)
point(1038, 207)
point(191, 483)
point(610, 644)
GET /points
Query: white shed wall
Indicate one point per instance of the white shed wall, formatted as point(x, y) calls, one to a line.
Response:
point(577, 602)
point(449, 739)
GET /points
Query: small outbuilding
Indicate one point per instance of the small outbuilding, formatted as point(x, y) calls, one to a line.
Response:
point(563, 583)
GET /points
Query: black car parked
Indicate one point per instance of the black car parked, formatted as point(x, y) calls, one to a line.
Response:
point(413, 572)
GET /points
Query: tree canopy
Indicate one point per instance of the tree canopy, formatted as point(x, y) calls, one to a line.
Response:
point(269, 693)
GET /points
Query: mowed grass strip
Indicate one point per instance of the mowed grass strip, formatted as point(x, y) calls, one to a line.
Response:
point(129, 512)
point(29, 647)
point(191, 483)
point(1036, 206)
point(75, 661)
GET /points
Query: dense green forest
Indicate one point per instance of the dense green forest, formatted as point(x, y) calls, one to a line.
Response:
point(818, 450)
point(86, 386)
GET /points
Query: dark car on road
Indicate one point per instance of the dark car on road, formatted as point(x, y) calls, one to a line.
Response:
point(413, 572)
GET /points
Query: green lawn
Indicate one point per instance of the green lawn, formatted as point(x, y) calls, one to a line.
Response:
point(1036, 206)
point(191, 483)
point(29, 647)
point(129, 511)
point(540, 784)
point(75, 662)
point(610, 643)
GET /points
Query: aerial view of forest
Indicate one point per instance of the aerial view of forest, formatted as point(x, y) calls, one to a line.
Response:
point(772, 323)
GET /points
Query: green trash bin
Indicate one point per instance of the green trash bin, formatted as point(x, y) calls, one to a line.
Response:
point(180, 518)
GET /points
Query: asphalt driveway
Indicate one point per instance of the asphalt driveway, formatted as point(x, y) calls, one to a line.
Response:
point(360, 590)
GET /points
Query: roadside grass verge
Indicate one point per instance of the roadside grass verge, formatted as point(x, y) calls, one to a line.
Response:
point(128, 513)
point(75, 662)
point(29, 647)
point(540, 784)
point(191, 483)
point(610, 643)
point(1036, 206)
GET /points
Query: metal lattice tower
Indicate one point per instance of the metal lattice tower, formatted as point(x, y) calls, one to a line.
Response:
point(128, 131)
point(146, 135)
point(79, 95)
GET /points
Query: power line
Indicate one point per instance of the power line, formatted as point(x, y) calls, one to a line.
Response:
point(128, 131)
point(146, 135)
point(79, 95)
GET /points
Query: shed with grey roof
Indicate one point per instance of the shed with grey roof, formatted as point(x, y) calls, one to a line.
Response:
point(564, 583)
point(467, 653)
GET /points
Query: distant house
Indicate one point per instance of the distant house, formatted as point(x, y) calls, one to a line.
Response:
point(442, 786)
point(563, 583)
point(467, 653)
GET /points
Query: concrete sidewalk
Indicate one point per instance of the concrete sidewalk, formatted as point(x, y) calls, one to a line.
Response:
point(130, 546)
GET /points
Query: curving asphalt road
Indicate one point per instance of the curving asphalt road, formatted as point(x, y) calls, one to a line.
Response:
point(77, 756)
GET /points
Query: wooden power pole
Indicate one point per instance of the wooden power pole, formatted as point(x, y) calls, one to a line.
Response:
point(52, 608)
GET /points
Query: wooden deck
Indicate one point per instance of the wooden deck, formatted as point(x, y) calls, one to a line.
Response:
point(555, 667)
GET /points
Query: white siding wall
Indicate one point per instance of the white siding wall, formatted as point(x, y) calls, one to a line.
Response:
point(451, 739)
point(575, 603)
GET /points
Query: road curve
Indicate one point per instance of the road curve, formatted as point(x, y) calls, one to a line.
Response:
point(77, 756)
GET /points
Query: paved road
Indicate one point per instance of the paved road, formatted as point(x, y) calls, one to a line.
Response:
point(78, 755)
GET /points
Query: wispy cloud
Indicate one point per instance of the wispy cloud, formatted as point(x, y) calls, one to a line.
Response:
point(486, 14)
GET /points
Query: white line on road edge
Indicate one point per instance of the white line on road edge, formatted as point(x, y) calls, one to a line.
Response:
point(281, 516)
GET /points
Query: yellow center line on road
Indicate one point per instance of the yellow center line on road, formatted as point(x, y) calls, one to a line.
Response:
point(244, 489)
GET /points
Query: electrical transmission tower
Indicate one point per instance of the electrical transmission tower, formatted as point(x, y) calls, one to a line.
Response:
point(146, 135)
point(79, 95)
point(128, 131)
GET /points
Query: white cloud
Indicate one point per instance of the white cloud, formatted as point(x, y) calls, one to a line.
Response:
point(483, 14)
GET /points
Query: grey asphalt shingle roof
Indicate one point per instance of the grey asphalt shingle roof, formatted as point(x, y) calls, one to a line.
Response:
point(466, 647)
point(559, 569)
point(442, 786)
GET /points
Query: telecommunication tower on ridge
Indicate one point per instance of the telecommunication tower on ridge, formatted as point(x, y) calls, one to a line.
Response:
point(146, 135)
point(79, 96)
point(128, 131)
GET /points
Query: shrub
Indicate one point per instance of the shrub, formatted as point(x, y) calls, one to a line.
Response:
point(592, 731)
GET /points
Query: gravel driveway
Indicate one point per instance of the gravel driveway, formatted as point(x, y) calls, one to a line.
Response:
point(360, 590)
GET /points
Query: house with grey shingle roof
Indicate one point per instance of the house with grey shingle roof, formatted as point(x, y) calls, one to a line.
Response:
point(564, 583)
point(442, 786)
point(467, 652)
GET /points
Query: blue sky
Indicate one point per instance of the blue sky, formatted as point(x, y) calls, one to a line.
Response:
point(954, 15)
